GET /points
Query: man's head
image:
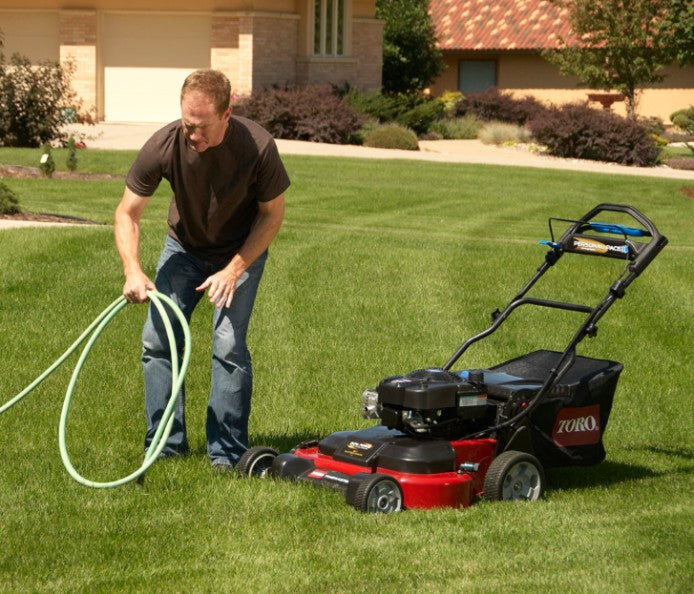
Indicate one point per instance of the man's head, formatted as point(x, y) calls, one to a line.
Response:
point(205, 108)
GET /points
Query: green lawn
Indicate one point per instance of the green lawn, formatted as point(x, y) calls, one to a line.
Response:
point(381, 267)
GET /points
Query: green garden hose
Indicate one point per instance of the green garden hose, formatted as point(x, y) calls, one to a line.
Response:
point(93, 332)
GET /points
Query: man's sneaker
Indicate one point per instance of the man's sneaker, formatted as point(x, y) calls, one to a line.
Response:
point(222, 467)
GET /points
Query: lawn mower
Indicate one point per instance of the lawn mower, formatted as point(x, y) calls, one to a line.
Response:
point(447, 437)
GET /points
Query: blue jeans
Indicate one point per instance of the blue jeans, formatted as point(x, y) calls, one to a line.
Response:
point(178, 273)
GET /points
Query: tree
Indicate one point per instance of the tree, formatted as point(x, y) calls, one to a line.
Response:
point(620, 44)
point(678, 26)
point(411, 59)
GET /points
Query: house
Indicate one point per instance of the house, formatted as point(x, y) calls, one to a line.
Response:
point(498, 43)
point(131, 57)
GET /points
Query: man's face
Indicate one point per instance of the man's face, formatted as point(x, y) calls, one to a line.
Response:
point(202, 125)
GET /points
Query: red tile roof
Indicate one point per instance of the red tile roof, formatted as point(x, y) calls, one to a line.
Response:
point(498, 24)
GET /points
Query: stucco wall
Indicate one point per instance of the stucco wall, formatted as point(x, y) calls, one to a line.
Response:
point(529, 74)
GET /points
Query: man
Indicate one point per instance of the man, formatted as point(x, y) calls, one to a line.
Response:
point(228, 187)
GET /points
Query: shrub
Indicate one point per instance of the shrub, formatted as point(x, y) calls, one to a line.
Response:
point(312, 113)
point(47, 163)
point(411, 110)
point(653, 124)
point(33, 97)
point(9, 204)
point(450, 100)
point(493, 105)
point(684, 120)
point(391, 136)
point(71, 154)
point(465, 128)
point(421, 116)
point(382, 108)
point(503, 133)
point(578, 131)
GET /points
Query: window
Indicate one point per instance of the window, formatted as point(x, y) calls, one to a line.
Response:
point(329, 27)
point(476, 75)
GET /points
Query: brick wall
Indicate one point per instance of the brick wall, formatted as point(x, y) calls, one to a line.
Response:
point(224, 53)
point(274, 50)
point(362, 69)
point(77, 37)
point(367, 43)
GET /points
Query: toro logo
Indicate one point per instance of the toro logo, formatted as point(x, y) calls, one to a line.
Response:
point(577, 426)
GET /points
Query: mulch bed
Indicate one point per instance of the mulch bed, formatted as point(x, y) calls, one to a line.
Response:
point(22, 172)
point(44, 217)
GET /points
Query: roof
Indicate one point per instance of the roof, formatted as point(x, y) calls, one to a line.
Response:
point(498, 24)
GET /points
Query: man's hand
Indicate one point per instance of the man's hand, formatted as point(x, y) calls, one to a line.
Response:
point(221, 286)
point(266, 225)
point(136, 287)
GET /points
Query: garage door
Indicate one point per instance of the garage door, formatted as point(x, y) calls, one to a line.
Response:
point(31, 34)
point(146, 58)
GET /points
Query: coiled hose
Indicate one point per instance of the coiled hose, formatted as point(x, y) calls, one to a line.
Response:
point(93, 332)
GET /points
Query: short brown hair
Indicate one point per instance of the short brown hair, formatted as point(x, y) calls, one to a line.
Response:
point(213, 84)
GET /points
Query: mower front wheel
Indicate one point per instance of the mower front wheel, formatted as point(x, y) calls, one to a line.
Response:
point(256, 461)
point(378, 493)
point(514, 476)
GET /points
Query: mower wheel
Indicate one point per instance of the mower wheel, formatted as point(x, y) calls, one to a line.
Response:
point(256, 461)
point(378, 493)
point(514, 476)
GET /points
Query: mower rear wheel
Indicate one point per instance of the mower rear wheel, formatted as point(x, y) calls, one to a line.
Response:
point(378, 493)
point(514, 476)
point(256, 461)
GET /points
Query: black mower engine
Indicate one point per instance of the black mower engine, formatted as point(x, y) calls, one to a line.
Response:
point(429, 402)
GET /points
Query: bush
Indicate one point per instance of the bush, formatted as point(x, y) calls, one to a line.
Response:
point(503, 133)
point(33, 97)
point(9, 204)
point(411, 110)
point(684, 120)
point(493, 105)
point(391, 136)
point(312, 113)
point(465, 128)
point(450, 100)
point(578, 131)
point(47, 163)
point(71, 154)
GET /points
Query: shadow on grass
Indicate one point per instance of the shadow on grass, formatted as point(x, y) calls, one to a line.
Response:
point(604, 474)
point(283, 443)
point(609, 473)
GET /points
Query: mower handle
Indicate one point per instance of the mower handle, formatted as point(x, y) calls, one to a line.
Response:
point(644, 255)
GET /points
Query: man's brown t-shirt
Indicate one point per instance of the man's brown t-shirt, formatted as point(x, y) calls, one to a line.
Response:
point(216, 192)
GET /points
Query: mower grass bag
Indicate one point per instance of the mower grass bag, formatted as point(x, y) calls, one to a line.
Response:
point(566, 429)
point(448, 437)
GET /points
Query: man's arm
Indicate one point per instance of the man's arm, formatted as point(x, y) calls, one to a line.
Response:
point(127, 233)
point(265, 227)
